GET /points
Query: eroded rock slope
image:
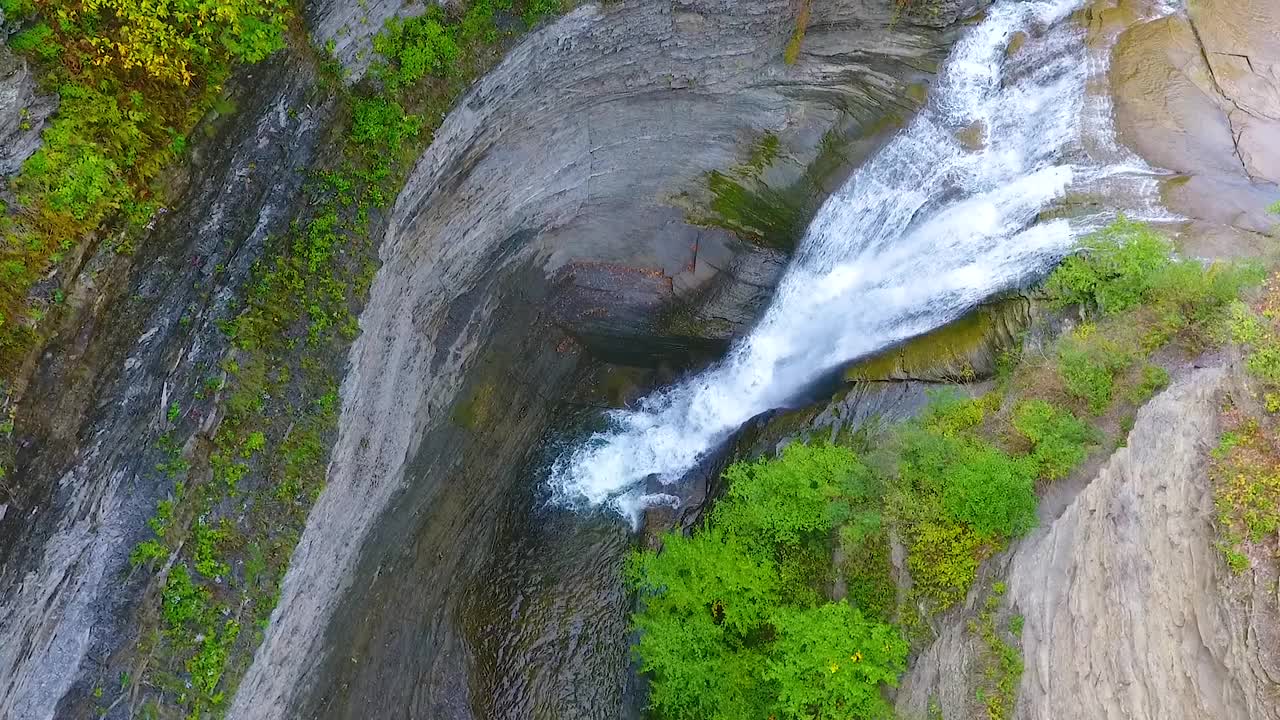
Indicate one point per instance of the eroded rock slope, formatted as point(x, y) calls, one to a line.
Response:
point(1129, 610)
point(559, 164)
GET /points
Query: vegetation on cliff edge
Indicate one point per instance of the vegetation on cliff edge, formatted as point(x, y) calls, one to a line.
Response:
point(953, 486)
point(223, 537)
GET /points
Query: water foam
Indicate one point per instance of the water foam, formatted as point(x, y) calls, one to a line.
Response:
point(920, 234)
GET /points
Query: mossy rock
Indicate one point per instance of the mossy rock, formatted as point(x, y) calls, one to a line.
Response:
point(966, 350)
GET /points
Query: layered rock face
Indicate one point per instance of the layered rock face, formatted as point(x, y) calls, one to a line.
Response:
point(560, 164)
point(1130, 611)
point(143, 334)
point(1199, 94)
point(23, 110)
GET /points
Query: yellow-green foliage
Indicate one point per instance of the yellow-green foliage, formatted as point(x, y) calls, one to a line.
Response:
point(1246, 471)
point(943, 560)
point(172, 40)
point(1258, 331)
point(1246, 464)
point(132, 76)
point(958, 496)
point(1001, 661)
point(1136, 297)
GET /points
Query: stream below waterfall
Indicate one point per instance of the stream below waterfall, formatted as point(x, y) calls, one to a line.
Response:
point(931, 226)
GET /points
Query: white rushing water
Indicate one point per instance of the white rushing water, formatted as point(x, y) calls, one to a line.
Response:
point(919, 235)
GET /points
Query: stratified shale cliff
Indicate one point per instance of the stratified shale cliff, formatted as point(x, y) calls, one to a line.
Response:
point(563, 159)
point(549, 215)
point(1129, 610)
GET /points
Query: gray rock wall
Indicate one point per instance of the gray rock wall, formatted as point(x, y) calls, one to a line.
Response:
point(345, 28)
point(1199, 94)
point(566, 153)
point(144, 336)
point(23, 111)
point(1130, 609)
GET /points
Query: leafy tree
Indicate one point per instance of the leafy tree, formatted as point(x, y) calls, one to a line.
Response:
point(696, 674)
point(828, 663)
point(170, 40)
point(804, 493)
point(730, 624)
point(709, 575)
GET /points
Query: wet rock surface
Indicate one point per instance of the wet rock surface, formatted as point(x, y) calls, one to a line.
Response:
point(562, 161)
point(345, 29)
point(1199, 94)
point(142, 336)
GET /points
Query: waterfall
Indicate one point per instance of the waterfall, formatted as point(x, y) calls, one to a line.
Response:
point(920, 234)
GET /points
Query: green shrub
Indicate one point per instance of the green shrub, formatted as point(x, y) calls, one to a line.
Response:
point(1128, 264)
point(951, 412)
point(868, 565)
point(416, 47)
point(801, 495)
point(1190, 296)
point(15, 9)
point(1088, 365)
point(37, 40)
point(974, 482)
point(943, 559)
point(1115, 268)
point(147, 551)
point(183, 601)
point(210, 661)
point(1057, 437)
point(990, 491)
point(1264, 363)
point(380, 128)
point(538, 10)
point(696, 675)
point(1243, 325)
point(173, 42)
point(206, 557)
point(829, 662)
point(1154, 379)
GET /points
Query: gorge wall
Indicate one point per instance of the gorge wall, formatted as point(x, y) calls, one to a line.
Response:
point(547, 227)
point(1129, 608)
point(548, 214)
point(562, 161)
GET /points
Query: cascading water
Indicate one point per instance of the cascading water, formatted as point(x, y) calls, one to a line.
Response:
point(920, 234)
